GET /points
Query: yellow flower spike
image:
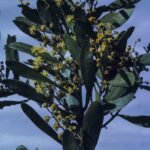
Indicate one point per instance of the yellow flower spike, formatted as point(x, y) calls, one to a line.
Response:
point(32, 29)
point(56, 126)
point(46, 118)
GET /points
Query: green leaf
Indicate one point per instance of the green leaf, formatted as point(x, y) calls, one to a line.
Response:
point(71, 100)
point(92, 124)
point(121, 96)
point(72, 47)
point(99, 74)
point(10, 103)
point(142, 121)
point(114, 93)
point(69, 142)
point(30, 73)
point(122, 101)
point(122, 43)
point(48, 16)
point(118, 4)
point(145, 87)
point(123, 79)
point(26, 48)
point(88, 70)
point(23, 47)
point(11, 55)
point(119, 18)
point(21, 147)
point(143, 59)
point(5, 93)
point(39, 122)
point(25, 90)
point(24, 26)
point(31, 14)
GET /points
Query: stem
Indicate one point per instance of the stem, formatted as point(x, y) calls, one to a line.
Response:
point(111, 119)
point(56, 120)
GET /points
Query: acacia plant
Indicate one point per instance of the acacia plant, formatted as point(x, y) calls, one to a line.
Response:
point(81, 71)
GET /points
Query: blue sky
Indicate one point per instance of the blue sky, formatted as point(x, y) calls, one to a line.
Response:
point(16, 128)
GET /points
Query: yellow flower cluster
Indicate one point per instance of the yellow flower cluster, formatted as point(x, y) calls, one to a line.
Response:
point(103, 44)
point(37, 62)
point(70, 88)
point(58, 67)
point(38, 87)
point(37, 51)
point(62, 120)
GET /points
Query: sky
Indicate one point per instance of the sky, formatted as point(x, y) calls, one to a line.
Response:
point(16, 128)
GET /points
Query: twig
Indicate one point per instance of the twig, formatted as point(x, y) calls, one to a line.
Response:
point(111, 119)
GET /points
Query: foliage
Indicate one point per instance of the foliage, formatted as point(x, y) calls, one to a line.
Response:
point(80, 52)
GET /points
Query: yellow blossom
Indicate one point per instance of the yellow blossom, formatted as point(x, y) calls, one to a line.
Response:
point(32, 29)
point(56, 126)
point(38, 88)
point(70, 90)
point(59, 2)
point(53, 107)
point(60, 136)
point(45, 73)
point(38, 50)
point(69, 18)
point(42, 27)
point(37, 62)
point(46, 118)
point(92, 19)
point(45, 105)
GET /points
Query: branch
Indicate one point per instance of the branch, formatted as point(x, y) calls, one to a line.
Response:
point(111, 119)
